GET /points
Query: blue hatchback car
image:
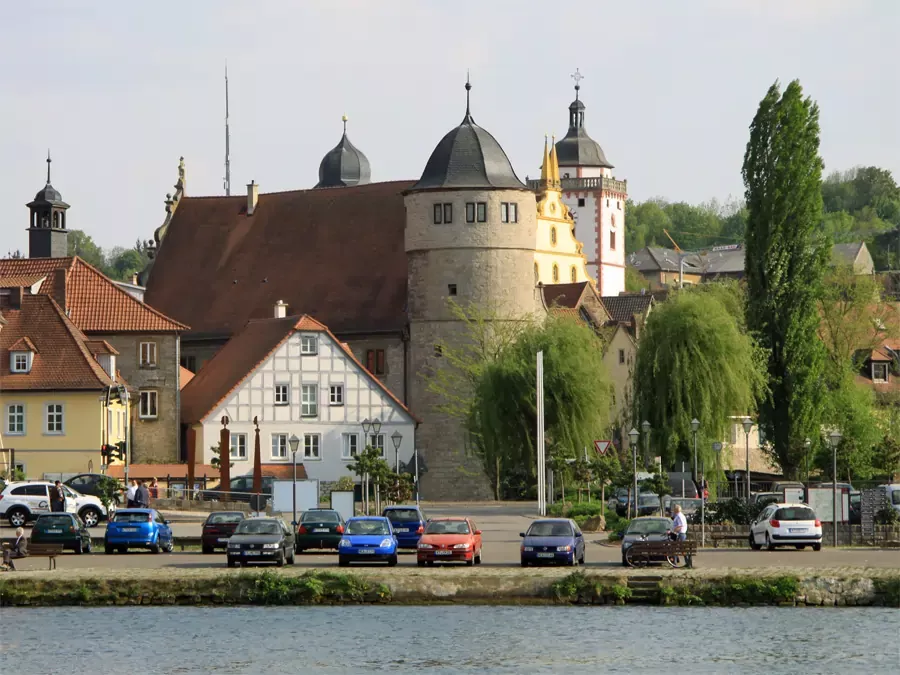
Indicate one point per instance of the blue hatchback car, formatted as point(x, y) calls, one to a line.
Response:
point(368, 538)
point(138, 528)
point(408, 523)
point(553, 541)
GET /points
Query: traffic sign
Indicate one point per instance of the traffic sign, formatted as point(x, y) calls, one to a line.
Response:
point(717, 446)
point(602, 446)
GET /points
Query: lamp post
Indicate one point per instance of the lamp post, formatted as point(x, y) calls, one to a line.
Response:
point(748, 425)
point(294, 442)
point(645, 427)
point(396, 437)
point(364, 479)
point(695, 424)
point(807, 443)
point(835, 438)
point(633, 436)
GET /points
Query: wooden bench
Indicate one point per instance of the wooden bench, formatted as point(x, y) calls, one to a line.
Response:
point(716, 538)
point(49, 551)
point(675, 553)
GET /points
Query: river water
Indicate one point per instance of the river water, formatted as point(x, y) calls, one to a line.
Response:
point(448, 639)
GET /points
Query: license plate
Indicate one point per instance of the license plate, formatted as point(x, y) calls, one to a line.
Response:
point(129, 529)
point(797, 530)
point(442, 552)
point(320, 529)
point(544, 555)
point(401, 529)
point(252, 552)
point(366, 551)
point(54, 531)
point(223, 538)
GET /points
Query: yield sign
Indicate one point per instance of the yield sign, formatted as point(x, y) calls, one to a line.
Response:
point(602, 446)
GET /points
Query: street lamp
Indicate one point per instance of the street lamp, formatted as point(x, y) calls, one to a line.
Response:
point(396, 437)
point(807, 443)
point(835, 438)
point(695, 424)
point(633, 436)
point(645, 427)
point(748, 425)
point(294, 442)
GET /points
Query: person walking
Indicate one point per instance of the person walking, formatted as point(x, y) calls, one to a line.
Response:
point(679, 527)
point(19, 549)
point(129, 494)
point(154, 489)
point(57, 498)
point(142, 496)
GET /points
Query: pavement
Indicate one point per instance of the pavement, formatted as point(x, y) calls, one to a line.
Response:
point(501, 525)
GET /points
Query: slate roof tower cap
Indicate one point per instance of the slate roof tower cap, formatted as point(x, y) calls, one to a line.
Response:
point(344, 165)
point(48, 195)
point(468, 157)
point(577, 148)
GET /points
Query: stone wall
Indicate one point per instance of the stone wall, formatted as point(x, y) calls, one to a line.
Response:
point(394, 376)
point(848, 535)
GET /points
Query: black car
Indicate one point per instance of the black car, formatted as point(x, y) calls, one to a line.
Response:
point(88, 484)
point(241, 490)
point(257, 540)
point(62, 528)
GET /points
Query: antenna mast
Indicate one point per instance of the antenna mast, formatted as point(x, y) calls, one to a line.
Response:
point(227, 140)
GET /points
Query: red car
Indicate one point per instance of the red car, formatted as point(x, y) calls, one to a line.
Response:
point(217, 529)
point(449, 540)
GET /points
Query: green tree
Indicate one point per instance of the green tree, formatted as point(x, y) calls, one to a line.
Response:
point(124, 263)
point(635, 281)
point(82, 245)
point(696, 360)
point(785, 260)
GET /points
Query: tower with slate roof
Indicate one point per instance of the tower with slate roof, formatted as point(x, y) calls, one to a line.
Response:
point(47, 234)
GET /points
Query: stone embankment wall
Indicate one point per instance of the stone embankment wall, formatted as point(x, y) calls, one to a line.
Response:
point(848, 535)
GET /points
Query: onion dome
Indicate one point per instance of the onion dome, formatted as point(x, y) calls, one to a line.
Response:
point(577, 148)
point(344, 165)
point(468, 157)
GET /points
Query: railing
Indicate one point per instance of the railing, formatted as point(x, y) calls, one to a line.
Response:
point(586, 183)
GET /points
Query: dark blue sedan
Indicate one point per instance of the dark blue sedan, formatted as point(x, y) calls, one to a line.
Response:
point(552, 541)
point(138, 528)
point(408, 523)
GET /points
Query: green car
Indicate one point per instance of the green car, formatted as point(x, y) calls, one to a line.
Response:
point(319, 528)
point(62, 528)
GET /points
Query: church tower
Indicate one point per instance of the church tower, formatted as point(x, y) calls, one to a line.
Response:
point(47, 234)
point(470, 238)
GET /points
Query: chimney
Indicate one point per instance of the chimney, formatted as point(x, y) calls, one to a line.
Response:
point(59, 288)
point(252, 197)
point(280, 309)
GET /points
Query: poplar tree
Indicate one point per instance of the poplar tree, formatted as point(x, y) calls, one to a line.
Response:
point(785, 262)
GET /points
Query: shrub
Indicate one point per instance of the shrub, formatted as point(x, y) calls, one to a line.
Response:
point(586, 509)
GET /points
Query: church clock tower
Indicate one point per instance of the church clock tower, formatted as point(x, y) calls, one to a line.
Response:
point(47, 234)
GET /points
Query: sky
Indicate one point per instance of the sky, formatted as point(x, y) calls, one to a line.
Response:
point(118, 91)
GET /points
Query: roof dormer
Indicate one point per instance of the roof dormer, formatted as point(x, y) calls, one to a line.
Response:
point(21, 356)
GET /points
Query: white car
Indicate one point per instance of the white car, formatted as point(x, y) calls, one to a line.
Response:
point(22, 501)
point(786, 525)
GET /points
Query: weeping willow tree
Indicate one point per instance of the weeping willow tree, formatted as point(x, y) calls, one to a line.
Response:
point(696, 360)
point(577, 397)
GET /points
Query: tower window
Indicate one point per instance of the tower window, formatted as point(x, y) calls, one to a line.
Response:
point(619, 205)
point(451, 289)
point(607, 202)
point(448, 213)
point(438, 214)
point(482, 212)
point(509, 212)
point(470, 212)
point(574, 274)
point(555, 273)
point(612, 219)
point(581, 201)
point(553, 236)
point(443, 213)
point(612, 241)
point(375, 361)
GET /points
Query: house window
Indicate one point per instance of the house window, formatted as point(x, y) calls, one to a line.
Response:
point(482, 211)
point(148, 355)
point(375, 361)
point(308, 344)
point(55, 418)
point(553, 236)
point(581, 201)
point(349, 446)
point(309, 404)
point(336, 394)
point(574, 274)
point(377, 441)
point(149, 405)
point(621, 356)
point(311, 446)
point(612, 241)
point(879, 372)
point(19, 363)
point(279, 446)
point(470, 212)
point(15, 419)
point(451, 289)
point(555, 273)
point(448, 213)
point(238, 446)
point(282, 394)
point(509, 212)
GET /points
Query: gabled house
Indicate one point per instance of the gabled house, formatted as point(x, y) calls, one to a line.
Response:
point(880, 370)
point(297, 379)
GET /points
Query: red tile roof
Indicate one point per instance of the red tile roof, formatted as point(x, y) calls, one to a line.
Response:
point(101, 347)
point(185, 377)
point(62, 361)
point(337, 254)
point(241, 356)
point(564, 295)
point(94, 303)
point(23, 344)
point(26, 280)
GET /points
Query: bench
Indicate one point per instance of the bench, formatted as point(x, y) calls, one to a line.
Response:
point(675, 553)
point(49, 551)
point(716, 538)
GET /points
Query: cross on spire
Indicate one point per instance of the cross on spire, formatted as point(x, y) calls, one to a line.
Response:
point(578, 77)
point(48, 166)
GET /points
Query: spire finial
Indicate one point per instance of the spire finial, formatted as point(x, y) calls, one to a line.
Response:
point(468, 89)
point(578, 77)
point(344, 120)
point(48, 166)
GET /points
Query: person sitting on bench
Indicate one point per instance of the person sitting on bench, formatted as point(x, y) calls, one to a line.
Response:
point(18, 550)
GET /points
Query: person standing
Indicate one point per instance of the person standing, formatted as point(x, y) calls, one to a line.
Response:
point(154, 489)
point(57, 498)
point(19, 549)
point(142, 496)
point(129, 494)
point(679, 523)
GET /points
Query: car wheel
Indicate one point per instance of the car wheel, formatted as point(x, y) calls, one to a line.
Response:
point(392, 561)
point(769, 545)
point(470, 563)
point(817, 547)
point(625, 561)
point(79, 547)
point(799, 547)
point(154, 548)
point(523, 564)
point(753, 545)
point(108, 550)
point(478, 558)
point(90, 516)
point(207, 549)
point(420, 563)
point(581, 559)
point(343, 563)
point(17, 517)
point(123, 549)
point(279, 561)
point(170, 546)
point(232, 562)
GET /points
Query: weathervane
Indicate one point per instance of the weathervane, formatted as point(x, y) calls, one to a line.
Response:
point(578, 77)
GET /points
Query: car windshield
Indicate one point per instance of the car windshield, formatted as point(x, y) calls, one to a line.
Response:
point(258, 527)
point(402, 515)
point(794, 513)
point(367, 527)
point(447, 527)
point(54, 521)
point(648, 499)
point(549, 530)
point(222, 518)
point(131, 517)
point(320, 517)
point(648, 527)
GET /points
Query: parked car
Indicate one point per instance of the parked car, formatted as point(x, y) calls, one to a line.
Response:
point(552, 540)
point(138, 528)
point(241, 490)
point(368, 538)
point(645, 529)
point(688, 506)
point(258, 540)
point(319, 528)
point(627, 505)
point(782, 485)
point(892, 494)
point(648, 504)
point(24, 501)
point(762, 499)
point(683, 487)
point(786, 524)
point(449, 540)
point(89, 484)
point(619, 497)
point(408, 523)
point(62, 528)
point(218, 528)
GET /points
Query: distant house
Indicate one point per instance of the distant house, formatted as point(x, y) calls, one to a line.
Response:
point(855, 255)
point(880, 370)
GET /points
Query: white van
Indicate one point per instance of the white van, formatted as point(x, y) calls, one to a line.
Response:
point(892, 493)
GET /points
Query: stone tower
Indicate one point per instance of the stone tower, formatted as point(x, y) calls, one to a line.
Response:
point(47, 234)
point(470, 237)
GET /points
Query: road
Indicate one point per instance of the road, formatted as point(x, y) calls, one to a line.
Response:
point(501, 526)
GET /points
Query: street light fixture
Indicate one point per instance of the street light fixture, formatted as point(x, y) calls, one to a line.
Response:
point(633, 436)
point(396, 438)
point(294, 442)
point(695, 424)
point(835, 438)
point(807, 443)
point(748, 426)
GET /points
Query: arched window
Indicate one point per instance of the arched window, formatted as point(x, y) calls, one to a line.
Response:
point(553, 236)
point(555, 273)
point(574, 274)
point(537, 276)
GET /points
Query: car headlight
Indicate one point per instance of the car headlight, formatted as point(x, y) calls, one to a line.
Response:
point(233, 545)
point(271, 545)
point(462, 546)
point(385, 543)
point(344, 543)
point(528, 548)
point(423, 545)
point(563, 548)
point(626, 544)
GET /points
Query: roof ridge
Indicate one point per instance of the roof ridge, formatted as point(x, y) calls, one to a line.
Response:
point(312, 190)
